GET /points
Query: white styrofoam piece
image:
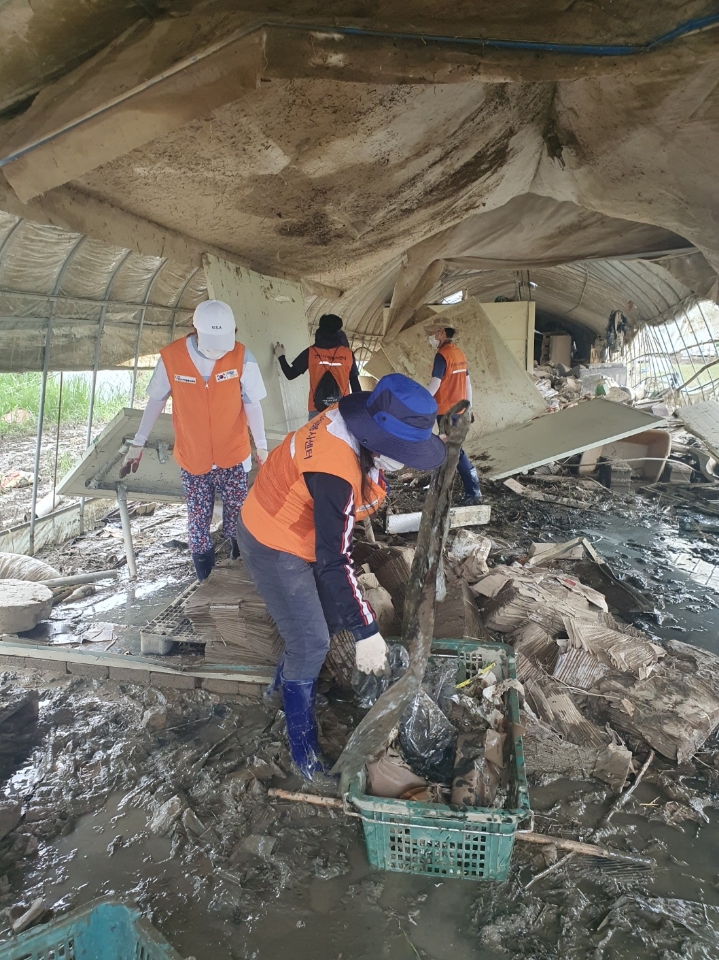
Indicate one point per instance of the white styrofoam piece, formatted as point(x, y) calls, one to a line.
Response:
point(458, 517)
point(98, 473)
point(556, 435)
point(702, 419)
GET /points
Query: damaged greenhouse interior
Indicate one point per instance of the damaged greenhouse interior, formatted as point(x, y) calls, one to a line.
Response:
point(534, 771)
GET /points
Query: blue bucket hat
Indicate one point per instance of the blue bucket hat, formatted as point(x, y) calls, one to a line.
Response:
point(396, 419)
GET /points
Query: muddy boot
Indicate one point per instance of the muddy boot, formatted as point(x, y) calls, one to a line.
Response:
point(299, 698)
point(234, 549)
point(272, 694)
point(204, 562)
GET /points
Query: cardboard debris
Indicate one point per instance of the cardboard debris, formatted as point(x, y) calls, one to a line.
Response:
point(549, 753)
point(229, 614)
point(567, 643)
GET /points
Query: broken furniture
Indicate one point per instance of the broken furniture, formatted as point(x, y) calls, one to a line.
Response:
point(646, 453)
point(98, 473)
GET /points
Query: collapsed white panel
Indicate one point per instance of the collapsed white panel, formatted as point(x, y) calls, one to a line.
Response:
point(572, 430)
point(98, 473)
point(267, 310)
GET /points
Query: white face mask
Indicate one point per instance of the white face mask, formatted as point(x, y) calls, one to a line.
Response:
point(211, 354)
point(386, 464)
point(434, 342)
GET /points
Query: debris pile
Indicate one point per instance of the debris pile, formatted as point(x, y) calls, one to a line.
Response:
point(451, 745)
point(586, 676)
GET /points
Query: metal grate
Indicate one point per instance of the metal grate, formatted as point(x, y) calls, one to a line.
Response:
point(171, 623)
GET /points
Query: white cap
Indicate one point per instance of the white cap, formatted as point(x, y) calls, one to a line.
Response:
point(215, 325)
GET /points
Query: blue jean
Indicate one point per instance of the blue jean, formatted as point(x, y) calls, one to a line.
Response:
point(467, 473)
point(295, 601)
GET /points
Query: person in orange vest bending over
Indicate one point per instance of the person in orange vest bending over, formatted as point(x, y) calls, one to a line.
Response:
point(216, 388)
point(450, 383)
point(330, 362)
point(295, 533)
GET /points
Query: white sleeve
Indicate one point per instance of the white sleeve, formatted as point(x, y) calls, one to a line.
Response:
point(256, 423)
point(433, 385)
point(469, 389)
point(152, 411)
point(253, 386)
point(159, 386)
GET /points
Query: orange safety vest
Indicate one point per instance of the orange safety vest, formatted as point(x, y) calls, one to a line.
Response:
point(209, 418)
point(279, 510)
point(337, 361)
point(453, 386)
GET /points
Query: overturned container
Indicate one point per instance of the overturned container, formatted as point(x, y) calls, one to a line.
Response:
point(103, 930)
point(440, 840)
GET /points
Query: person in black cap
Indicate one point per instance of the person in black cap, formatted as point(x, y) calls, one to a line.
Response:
point(295, 534)
point(330, 363)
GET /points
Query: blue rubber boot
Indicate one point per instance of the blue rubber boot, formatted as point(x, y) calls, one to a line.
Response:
point(234, 549)
point(272, 694)
point(470, 480)
point(204, 562)
point(299, 697)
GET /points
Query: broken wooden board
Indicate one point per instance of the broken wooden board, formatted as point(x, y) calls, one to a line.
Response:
point(503, 393)
point(702, 419)
point(158, 477)
point(540, 553)
point(555, 435)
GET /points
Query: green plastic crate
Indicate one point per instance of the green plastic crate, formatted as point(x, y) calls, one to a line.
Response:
point(471, 843)
point(103, 930)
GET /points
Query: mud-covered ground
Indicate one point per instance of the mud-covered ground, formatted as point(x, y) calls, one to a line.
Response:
point(17, 453)
point(161, 796)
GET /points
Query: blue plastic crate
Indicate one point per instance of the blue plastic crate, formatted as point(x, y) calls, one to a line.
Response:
point(437, 840)
point(103, 930)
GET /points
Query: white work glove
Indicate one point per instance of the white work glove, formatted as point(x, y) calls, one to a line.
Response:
point(261, 454)
point(131, 461)
point(279, 349)
point(371, 655)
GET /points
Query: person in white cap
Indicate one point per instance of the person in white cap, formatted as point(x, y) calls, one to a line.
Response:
point(216, 388)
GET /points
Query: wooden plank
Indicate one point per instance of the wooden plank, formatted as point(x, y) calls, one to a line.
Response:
point(43, 652)
point(557, 435)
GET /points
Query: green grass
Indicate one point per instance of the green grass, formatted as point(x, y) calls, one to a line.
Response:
point(21, 391)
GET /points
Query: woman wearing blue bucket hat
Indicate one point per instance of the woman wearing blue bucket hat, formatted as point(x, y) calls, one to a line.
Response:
point(295, 534)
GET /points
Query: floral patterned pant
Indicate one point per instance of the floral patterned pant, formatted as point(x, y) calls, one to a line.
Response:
point(200, 490)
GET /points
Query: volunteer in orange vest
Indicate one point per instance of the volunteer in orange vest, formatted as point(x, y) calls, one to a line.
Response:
point(216, 388)
point(450, 383)
point(330, 363)
point(295, 533)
